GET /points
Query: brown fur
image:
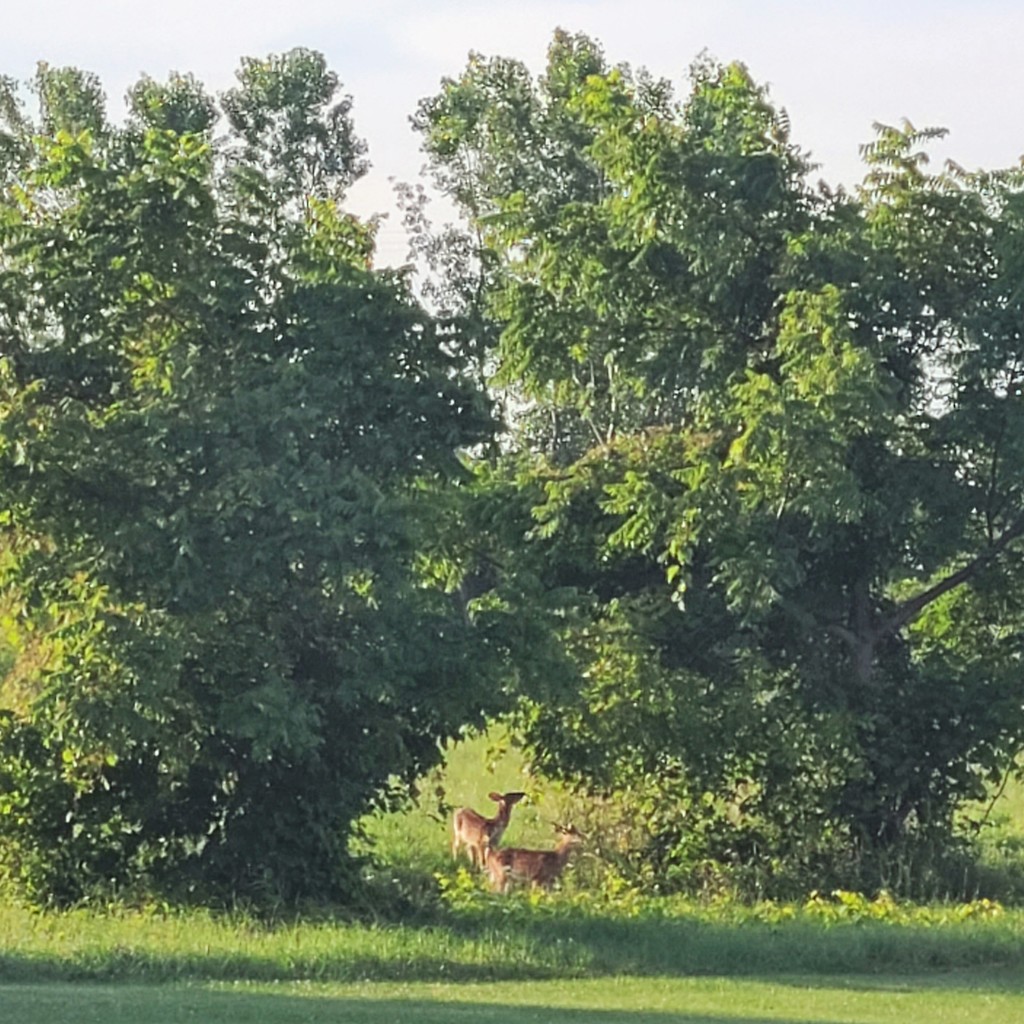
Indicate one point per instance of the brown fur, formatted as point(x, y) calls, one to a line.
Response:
point(476, 832)
point(539, 868)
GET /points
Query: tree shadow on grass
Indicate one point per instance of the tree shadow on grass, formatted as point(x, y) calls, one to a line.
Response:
point(159, 968)
point(524, 947)
point(999, 979)
point(36, 1004)
point(677, 947)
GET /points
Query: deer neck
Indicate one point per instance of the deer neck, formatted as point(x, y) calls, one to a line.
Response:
point(500, 821)
point(563, 849)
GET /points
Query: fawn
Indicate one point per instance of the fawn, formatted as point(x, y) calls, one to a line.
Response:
point(478, 833)
point(538, 867)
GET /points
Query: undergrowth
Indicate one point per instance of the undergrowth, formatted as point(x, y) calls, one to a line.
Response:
point(983, 860)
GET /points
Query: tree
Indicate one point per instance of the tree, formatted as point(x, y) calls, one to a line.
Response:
point(225, 442)
point(770, 435)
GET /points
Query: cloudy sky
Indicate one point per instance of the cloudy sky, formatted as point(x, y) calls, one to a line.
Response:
point(835, 66)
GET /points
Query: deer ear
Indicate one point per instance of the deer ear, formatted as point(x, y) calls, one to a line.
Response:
point(496, 797)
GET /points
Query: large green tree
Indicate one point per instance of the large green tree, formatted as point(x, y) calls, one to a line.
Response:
point(771, 435)
point(224, 442)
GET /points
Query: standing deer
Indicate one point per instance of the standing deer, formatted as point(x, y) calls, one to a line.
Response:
point(538, 867)
point(478, 833)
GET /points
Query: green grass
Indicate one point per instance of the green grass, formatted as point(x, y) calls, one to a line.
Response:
point(412, 844)
point(569, 958)
point(496, 939)
point(418, 836)
point(978, 998)
point(999, 839)
point(503, 961)
point(552, 959)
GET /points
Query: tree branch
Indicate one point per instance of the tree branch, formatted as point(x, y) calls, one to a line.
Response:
point(909, 610)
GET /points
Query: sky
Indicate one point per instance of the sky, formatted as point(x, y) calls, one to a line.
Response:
point(836, 66)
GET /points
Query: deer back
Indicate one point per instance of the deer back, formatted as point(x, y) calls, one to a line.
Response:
point(537, 867)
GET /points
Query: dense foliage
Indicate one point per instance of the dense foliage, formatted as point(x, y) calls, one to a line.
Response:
point(224, 442)
point(771, 435)
point(742, 554)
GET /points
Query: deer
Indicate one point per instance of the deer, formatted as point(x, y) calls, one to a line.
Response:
point(539, 868)
point(478, 833)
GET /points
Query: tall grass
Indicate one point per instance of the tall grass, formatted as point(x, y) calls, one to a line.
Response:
point(484, 937)
point(996, 827)
point(193, 945)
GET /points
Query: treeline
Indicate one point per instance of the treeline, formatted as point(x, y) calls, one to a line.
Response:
point(708, 476)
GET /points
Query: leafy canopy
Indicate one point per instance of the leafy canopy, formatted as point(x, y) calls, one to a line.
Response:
point(223, 443)
point(771, 435)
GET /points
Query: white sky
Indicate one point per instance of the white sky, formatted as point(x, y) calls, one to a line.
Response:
point(835, 66)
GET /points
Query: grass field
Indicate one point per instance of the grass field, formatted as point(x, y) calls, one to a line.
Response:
point(569, 958)
point(518, 960)
point(978, 998)
point(514, 961)
point(556, 960)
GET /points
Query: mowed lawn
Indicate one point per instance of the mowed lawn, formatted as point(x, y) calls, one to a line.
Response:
point(515, 962)
point(975, 996)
